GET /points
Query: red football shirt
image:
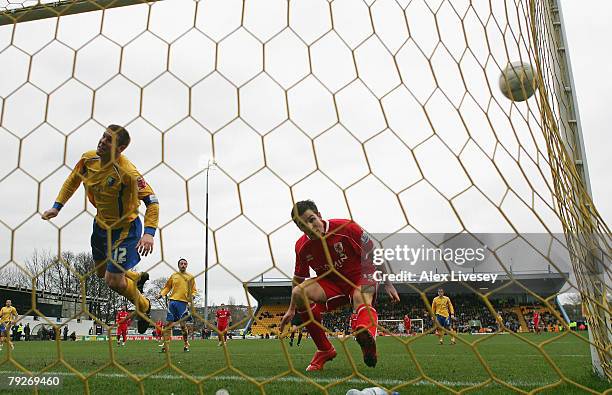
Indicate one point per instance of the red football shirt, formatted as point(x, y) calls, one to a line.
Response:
point(348, 246)
point(407, 323)
point(353, 321)
point(223, 316)
point(123, 319)
point(536, 316)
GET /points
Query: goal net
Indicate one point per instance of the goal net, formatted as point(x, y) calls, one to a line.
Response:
point(387, 112)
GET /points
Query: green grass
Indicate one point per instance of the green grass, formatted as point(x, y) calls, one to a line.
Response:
point(509, 358)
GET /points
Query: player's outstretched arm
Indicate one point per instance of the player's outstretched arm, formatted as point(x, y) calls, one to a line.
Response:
point(389, 287)
point(70, 186)
point(51, 213)
point(146, 194)
point(145, 244)
point(367, 246)
point(290, 313)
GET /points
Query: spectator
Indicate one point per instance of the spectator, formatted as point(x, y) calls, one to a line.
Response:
point(66, 333)
point(27, 332)
point(14, 334)
point(73, 336)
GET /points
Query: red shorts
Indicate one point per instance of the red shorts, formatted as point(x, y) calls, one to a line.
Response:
point(339, 292)
point(221, 326)
point(122, 331)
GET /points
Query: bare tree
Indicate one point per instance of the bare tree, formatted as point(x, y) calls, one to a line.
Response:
point(65, 276)
point(154, 288)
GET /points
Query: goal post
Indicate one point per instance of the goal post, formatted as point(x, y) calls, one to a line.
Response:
point(55, 9)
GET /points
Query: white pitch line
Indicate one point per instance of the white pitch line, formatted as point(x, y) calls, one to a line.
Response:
point(293, 379)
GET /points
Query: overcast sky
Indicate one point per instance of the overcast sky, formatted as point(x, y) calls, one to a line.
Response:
point(384, 154)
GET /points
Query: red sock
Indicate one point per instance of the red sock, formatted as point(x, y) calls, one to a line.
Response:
point(317, 333)
point(367, 317)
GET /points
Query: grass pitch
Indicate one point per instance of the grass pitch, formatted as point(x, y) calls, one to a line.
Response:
point(561, 363)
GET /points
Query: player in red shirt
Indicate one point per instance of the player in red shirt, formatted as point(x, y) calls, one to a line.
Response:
point(223, 319)
point(353, 322)
point(345, 278)
point(123, 320)
point(536, 322)
point(407, 324)
point(159, 331)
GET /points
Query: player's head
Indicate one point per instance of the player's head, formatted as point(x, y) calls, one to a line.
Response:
point(114, 140)
point(440, 291)
point(182, 265)
point(8, 303)
point(307, 217)
point(124, 307)
point(222, 305)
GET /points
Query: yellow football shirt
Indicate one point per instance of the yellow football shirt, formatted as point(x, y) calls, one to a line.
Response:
point(442, 305)
point(115, 189)
point(182, 286)
point(8, 314)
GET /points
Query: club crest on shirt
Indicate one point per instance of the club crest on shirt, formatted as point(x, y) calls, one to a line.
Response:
point(142, 184)
point(339, 248)
point(110, 181)
point(309, 258)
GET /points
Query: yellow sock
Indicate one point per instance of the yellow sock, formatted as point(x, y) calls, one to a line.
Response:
point(132, 293)
point(132, 275)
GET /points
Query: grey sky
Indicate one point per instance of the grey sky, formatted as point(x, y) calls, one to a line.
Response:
point(290, 116)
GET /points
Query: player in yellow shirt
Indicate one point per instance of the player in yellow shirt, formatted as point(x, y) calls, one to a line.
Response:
point(182, 289)
point(444, 312)
point(8, 315)
point(115, 187)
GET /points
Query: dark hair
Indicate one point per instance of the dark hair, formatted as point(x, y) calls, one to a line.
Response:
point(440, 289)
point(301, 207)
point(181, 259)
point(123, 136)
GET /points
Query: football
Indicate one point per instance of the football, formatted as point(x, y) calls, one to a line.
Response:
point(517, 82)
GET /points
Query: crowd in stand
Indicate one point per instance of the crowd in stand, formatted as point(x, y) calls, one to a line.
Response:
point(471, 315)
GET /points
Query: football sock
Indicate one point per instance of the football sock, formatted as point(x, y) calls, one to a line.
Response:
point(316, 331)
point(367, 317)
point(132, 293)
point(132, 275)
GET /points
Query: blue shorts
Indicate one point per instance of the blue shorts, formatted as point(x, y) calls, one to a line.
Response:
point(443, 321)
point(178, 310)
point(123, 251)
point(2, 328)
